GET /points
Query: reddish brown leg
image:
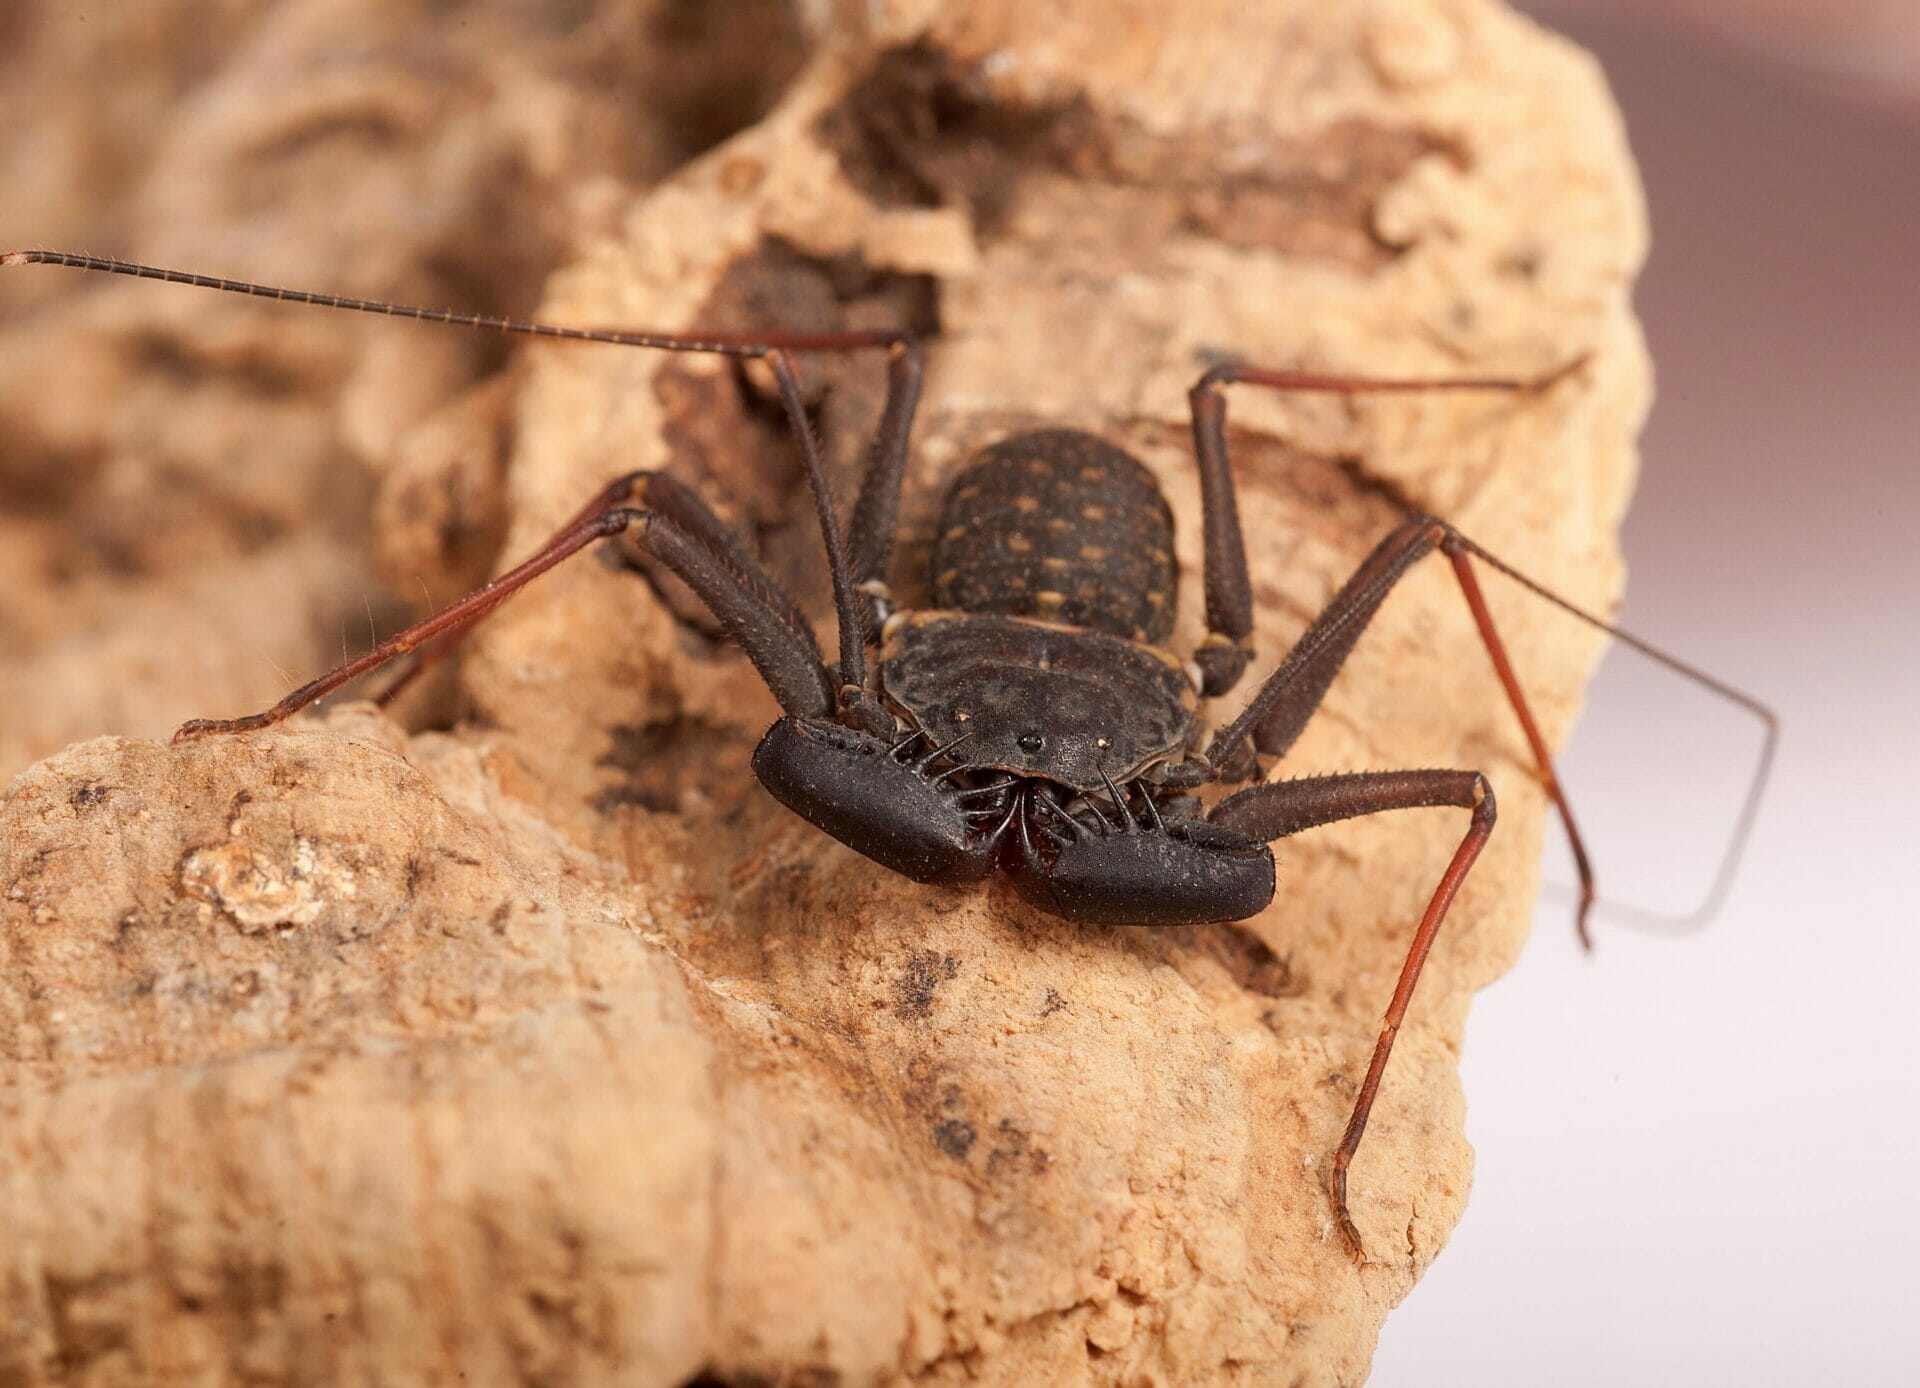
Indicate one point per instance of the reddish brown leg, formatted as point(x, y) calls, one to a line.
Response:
point(575, 537)
point(423, 660)
point(1280, 709)
point(1542, 758)
point(1229, 592)
point(677, 502)
point(439, 647)
point(774, 348)
point(1456, 873)
point(1458, 546)
point(784, 653)
point(1274, 811)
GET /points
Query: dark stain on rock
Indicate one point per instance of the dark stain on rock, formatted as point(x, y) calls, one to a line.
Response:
point(789, 1378)
point(916, 984)
point(88, 1320)
point(657, 761)
point(739, 456)
point(923, 130)
point(1244, 955)
point(85, 797)
point(1364, 483)
point(1014, 1153)
point(706, 79)
point(728, 435)
point(1313, 196)
point(497, 920)
point(955, 1137)
point(937, 1101)
point(1052, 1003)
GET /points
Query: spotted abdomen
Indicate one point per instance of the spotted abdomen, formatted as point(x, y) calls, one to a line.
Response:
point(1059, 525)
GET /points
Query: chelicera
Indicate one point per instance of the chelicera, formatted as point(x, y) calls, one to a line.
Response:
point(1033, 720)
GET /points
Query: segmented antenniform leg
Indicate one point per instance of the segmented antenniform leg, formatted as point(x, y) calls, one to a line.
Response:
point(1229, 592)
point(748, 603)
point(1289, 697)
point(1268, 812)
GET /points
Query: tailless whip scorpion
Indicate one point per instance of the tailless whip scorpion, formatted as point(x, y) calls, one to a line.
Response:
point(1032, 720)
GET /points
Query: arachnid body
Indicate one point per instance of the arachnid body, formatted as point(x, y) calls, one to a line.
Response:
point(1032, 720)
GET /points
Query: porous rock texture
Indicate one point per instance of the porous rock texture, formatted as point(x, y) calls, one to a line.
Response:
point(536, 1043)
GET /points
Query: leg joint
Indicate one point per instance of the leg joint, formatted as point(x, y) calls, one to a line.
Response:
point(620, 518)
point(1220, 374)
point(1484, 808)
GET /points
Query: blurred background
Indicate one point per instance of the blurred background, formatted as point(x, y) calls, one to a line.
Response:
point(1695, 1152)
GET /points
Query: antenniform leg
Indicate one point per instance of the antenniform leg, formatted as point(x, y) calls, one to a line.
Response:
point(870, 533)
point(1223, 657)
point(721, 556)
point(1273, 811)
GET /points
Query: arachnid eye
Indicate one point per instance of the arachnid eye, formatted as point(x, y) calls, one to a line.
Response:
point(1032, 743)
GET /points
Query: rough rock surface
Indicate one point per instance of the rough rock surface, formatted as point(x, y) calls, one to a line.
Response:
point(543, 1046)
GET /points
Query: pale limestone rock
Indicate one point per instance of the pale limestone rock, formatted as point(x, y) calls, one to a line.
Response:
point(549, 1049)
